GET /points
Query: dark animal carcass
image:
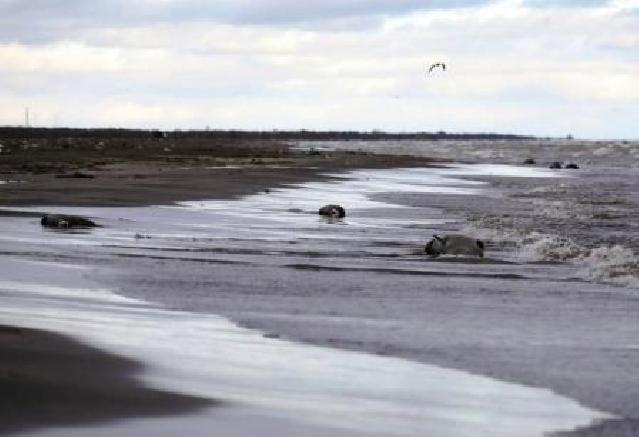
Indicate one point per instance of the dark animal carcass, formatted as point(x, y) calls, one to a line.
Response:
point(62, 221)
point(335, 211)
point(453, 244)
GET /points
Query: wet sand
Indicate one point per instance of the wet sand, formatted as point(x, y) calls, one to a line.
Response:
point(500, 329)
point(47, 379)
point(269, 386)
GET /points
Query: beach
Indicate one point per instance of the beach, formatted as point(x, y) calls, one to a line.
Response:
point(51, 379)
point(244, 242)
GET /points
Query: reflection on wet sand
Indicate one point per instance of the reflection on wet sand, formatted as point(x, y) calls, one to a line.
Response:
point(208, 357)
point(268, 262)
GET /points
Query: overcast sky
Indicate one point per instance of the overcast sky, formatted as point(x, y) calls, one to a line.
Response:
point(543, 67)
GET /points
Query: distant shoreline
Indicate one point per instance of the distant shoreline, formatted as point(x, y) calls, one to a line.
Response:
point(42, 167)
point(277, 135)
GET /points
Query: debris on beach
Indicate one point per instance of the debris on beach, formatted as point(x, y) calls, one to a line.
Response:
point(62, 221)
point(555, 165)
point(335, 211)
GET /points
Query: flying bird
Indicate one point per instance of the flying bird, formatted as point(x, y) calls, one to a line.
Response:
point(438, 64)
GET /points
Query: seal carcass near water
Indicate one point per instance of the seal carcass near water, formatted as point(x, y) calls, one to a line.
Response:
point(66, 221)
point(453, 244)
point(332, 211)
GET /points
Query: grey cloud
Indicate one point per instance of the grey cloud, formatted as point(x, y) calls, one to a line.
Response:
point(566, 3)
point(239, 11)
point(295, 11)
point(48, 20)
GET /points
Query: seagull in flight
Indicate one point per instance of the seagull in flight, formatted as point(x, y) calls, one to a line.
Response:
point(438, 64)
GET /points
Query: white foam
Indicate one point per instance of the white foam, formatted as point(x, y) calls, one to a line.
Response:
point(539, 247)
point(502, 170)
point(531, 246)
point(354, 190)
point(616, 264)
point(295, 207)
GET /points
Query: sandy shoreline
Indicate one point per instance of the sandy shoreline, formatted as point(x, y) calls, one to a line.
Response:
point(164, 185)
point(268, 386)
point(164, 172)
point(39, 385)
point(48, 379)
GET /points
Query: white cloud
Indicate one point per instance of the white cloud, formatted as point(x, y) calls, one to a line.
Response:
point(60, 57)
point(511, 67)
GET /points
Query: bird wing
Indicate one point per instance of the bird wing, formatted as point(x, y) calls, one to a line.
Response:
point(438, 64)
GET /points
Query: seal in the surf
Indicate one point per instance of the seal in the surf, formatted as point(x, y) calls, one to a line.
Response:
point(334, 211)
point(454, 244)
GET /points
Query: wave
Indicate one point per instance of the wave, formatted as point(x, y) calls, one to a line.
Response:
point(616, 264)
point(551, 248)
point(612, 264)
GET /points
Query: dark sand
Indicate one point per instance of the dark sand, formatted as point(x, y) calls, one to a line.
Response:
point(48, 379)
point(138, 172)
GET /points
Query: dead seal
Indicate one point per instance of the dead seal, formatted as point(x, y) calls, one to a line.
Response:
point(454, 244)
point(335, 211)
point(62, 221)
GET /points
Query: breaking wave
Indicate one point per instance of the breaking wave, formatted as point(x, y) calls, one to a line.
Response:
point(615, 264)
point(551, 248)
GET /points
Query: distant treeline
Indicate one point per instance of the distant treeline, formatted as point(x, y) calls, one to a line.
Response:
point(282, 135)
